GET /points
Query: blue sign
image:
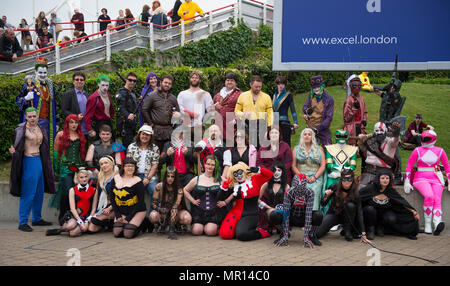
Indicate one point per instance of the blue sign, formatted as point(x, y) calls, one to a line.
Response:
point(361, 34)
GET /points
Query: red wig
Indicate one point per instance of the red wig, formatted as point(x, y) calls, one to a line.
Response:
point(65, 138)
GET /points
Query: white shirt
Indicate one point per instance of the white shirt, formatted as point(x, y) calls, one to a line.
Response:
point(141, 163)
point(197, 102)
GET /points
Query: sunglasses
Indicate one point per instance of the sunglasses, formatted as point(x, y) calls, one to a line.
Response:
point(132, 80)
point(355, 85)
point(78, 79)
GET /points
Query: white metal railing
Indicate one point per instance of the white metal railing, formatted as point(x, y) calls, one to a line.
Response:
point(154, 37)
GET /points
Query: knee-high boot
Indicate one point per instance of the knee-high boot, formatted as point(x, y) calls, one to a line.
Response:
point(427, 213)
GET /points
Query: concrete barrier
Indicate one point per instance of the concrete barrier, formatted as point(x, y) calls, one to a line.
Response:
point(9, 205)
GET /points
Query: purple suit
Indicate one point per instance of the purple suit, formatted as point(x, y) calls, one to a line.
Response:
point(324, 135)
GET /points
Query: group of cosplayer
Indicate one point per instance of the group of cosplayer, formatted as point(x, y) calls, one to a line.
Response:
point(253, 202)
point(316, 189)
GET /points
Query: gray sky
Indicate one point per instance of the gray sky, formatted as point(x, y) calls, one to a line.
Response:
point(15, 12)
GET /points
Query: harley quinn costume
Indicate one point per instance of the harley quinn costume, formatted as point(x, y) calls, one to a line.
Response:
point(428, 179)
point(242, 220)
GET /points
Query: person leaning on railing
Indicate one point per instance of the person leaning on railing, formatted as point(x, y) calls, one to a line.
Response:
point(188, 9)
point(10, 48)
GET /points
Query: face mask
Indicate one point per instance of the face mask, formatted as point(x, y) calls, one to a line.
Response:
point(355, 87)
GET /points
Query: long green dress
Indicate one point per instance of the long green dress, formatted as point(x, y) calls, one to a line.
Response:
point(60, 200)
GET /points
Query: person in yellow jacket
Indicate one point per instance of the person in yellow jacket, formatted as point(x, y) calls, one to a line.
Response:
point(255, 105)
point(188, 9)
point(365, 82)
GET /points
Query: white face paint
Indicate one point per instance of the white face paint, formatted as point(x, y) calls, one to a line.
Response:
point(41, 73)
point(277, 173)
point(316, 90)
point(103, 86)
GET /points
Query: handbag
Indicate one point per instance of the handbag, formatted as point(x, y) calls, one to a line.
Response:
point(58, 28)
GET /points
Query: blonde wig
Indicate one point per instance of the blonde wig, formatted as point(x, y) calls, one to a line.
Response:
point(234, 168)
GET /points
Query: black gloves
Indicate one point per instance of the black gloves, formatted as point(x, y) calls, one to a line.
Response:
point(254, 169)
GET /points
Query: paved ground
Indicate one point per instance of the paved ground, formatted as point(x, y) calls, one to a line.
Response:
point(35, 249)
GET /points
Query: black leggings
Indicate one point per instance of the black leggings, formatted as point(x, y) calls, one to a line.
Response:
point(332, 219)
point(300, 220)
point(372, 217)
point(246, 228)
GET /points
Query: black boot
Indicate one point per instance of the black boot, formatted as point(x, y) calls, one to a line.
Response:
point(172, 234)
point(370, 232)
point(398, 179)
point(315, 240)
point(379, 230)
point(348, 232)
point(439, 228)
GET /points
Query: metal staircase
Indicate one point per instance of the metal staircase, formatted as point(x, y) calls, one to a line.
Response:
point(154, 37)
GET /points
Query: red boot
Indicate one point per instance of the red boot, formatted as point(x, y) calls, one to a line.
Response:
point(264, 233)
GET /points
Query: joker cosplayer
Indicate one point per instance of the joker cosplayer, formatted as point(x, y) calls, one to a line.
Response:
point(318, 110)
point(428, 179)
point(38, 92)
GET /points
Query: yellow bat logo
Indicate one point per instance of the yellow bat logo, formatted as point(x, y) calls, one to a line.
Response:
point(120, 193)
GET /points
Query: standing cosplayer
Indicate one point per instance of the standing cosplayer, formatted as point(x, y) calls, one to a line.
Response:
point(355, 111)
point(428, 180)
point(318, 110)
point(243, 218)
point(38, 92)
point(31, 171)
point(297, 210)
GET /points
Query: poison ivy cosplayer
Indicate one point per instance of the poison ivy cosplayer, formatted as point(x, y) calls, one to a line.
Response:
point(242, 220)
point(69, 151)
point(428, 179)
point(38, 92)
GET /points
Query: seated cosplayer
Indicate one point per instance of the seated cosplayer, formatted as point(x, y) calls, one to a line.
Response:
point(82, 200)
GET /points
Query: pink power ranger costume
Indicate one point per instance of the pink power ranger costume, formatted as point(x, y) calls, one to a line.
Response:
point(427, 180)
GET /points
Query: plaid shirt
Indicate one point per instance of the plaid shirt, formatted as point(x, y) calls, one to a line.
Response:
point(298, 201)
